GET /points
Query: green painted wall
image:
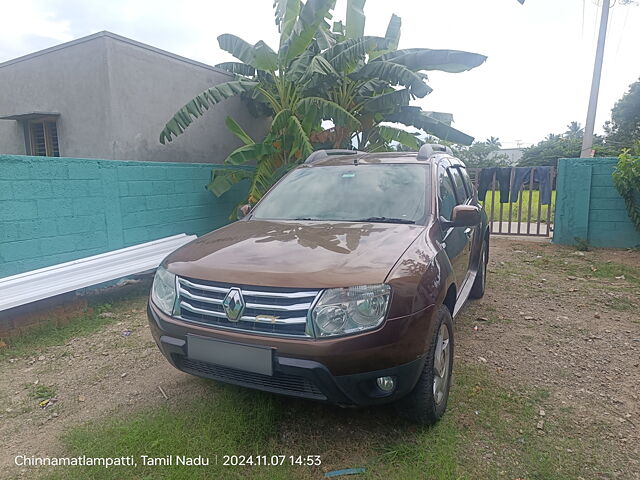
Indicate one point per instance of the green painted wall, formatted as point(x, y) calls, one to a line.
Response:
point(54, 210)
point(588, 206)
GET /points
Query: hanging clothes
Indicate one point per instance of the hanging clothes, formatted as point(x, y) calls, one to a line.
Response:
point(486, 179)
point(542, 175)
point(503, 175)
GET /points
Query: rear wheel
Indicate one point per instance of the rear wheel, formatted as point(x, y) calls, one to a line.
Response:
point(479, 284)
point(427, 402)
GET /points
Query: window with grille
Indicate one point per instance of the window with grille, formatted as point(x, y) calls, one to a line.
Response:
point(43, 138)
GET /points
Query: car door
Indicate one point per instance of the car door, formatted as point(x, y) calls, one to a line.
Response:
point(455, 239)
point(463, 197)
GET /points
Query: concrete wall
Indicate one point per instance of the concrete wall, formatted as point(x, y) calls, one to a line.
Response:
point(589, 207)
point(114, 96)
point(11, 135)
point(72, 81)
point(54, 210)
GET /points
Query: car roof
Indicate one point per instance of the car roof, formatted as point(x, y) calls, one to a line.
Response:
point(385, 158)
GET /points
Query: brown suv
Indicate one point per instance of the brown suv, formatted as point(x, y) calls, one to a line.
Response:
point(339, 285)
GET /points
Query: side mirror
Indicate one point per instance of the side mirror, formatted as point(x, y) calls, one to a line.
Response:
point(243, 211)
point(465, 216)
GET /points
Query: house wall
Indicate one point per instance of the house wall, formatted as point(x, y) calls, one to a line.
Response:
point(54, 210)
point(589, 207)
point(114, 96)
point(11, 136)
point(147, 89)
point(71, 81)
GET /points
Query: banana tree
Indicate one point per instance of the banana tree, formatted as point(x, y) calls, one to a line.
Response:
point(322, 72)
point(376, 83)
point(278, 84)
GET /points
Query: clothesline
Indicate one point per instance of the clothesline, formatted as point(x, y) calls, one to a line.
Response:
point(512, 179)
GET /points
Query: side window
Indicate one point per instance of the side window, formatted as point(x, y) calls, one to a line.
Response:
point(461, 192)
point(446, 194)
point(467, 182)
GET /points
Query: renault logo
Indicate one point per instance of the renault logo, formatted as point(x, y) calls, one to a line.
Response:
point(233, 304)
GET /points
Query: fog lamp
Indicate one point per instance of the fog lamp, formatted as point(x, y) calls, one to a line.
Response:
point(386, 384)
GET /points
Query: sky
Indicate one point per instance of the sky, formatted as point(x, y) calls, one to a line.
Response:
point(535, 81)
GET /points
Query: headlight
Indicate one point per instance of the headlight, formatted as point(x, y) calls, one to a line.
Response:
point(163, 290)
point(341, 311)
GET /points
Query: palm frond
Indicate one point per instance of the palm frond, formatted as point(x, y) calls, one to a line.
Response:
point(392, 134)
point(196, 107)
point(237, 47)
point(222, 179)
point(249, 153)
point(264, 57)
point(301, 147)
point(326, 110)
point(286, 13)
point(311, 16)
point(238, 131)
point(388, 102)
point(414, 116)
point(237, 68)
point(452, 61)
point(345, 55)
point(355, 18)
point(394, 74)
point(392, 35)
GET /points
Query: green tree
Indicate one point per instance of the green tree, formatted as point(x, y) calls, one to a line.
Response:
point(574, 130)
point(482, 154)
point(494, 142)
point(624, 128)
point(549, 150)
point(565, 145)
point(362, 85)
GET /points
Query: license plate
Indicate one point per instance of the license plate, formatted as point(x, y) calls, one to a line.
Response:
point(242, 357)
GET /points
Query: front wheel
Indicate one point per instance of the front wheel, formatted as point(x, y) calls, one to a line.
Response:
point(427, 402)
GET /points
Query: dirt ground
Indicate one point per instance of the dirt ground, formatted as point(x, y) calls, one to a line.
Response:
point(555, 319)
point(567, 322)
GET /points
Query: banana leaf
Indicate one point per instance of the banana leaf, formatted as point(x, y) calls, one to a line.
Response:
point(452, 61)
point(394, 74)
point(196, 107)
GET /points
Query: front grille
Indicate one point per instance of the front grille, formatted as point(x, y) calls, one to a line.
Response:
point(278, 383)
point(276, 311)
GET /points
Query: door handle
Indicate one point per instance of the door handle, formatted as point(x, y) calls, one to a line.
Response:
point(468, 231)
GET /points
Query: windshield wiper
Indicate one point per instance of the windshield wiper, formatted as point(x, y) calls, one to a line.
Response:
point(385, 220)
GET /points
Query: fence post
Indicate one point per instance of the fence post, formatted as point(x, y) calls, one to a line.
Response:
point(573, 195)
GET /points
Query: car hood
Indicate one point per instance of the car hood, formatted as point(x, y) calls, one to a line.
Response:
point(295, 254)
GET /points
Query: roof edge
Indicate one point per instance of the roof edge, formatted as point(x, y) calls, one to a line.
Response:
point(119, 38)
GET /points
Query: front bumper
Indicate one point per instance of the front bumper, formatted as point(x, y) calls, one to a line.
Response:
point(335, 371)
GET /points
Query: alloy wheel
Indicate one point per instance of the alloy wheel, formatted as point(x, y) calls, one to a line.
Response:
point(441, 362)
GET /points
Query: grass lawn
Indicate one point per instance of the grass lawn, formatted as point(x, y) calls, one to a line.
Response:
point(488, 432)
point(49, 333)
point(522, 404)
point(523, 200)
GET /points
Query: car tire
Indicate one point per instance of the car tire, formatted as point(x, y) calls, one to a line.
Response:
point(427, 402)
point(480, 282)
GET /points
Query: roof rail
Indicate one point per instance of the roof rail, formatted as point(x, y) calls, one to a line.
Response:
point(429, 149)
point(322, 154)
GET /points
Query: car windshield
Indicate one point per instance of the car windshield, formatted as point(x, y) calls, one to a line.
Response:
point(390, 193)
